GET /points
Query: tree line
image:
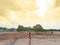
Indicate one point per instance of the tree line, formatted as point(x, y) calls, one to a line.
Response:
point(36, 28)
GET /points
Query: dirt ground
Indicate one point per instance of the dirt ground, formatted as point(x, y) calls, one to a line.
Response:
point(17, 35)
point(34, 41)
point(22, 38)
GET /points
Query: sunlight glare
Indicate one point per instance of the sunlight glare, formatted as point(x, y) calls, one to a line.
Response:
point(42, 4)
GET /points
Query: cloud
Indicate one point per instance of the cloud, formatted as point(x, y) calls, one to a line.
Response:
point(20, 8)
point(57, 3)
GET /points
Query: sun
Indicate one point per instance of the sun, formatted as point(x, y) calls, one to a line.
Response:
point(44, 6)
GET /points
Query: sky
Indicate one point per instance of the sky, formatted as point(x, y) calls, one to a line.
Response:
point(30, 13)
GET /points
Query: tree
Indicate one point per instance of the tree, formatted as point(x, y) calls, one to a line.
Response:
point(37, 27)
point(20, 28)
point(4, 28)
point(27, 28)
point(11, 29)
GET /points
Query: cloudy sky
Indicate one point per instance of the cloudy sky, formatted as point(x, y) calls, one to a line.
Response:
point(30, 13)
